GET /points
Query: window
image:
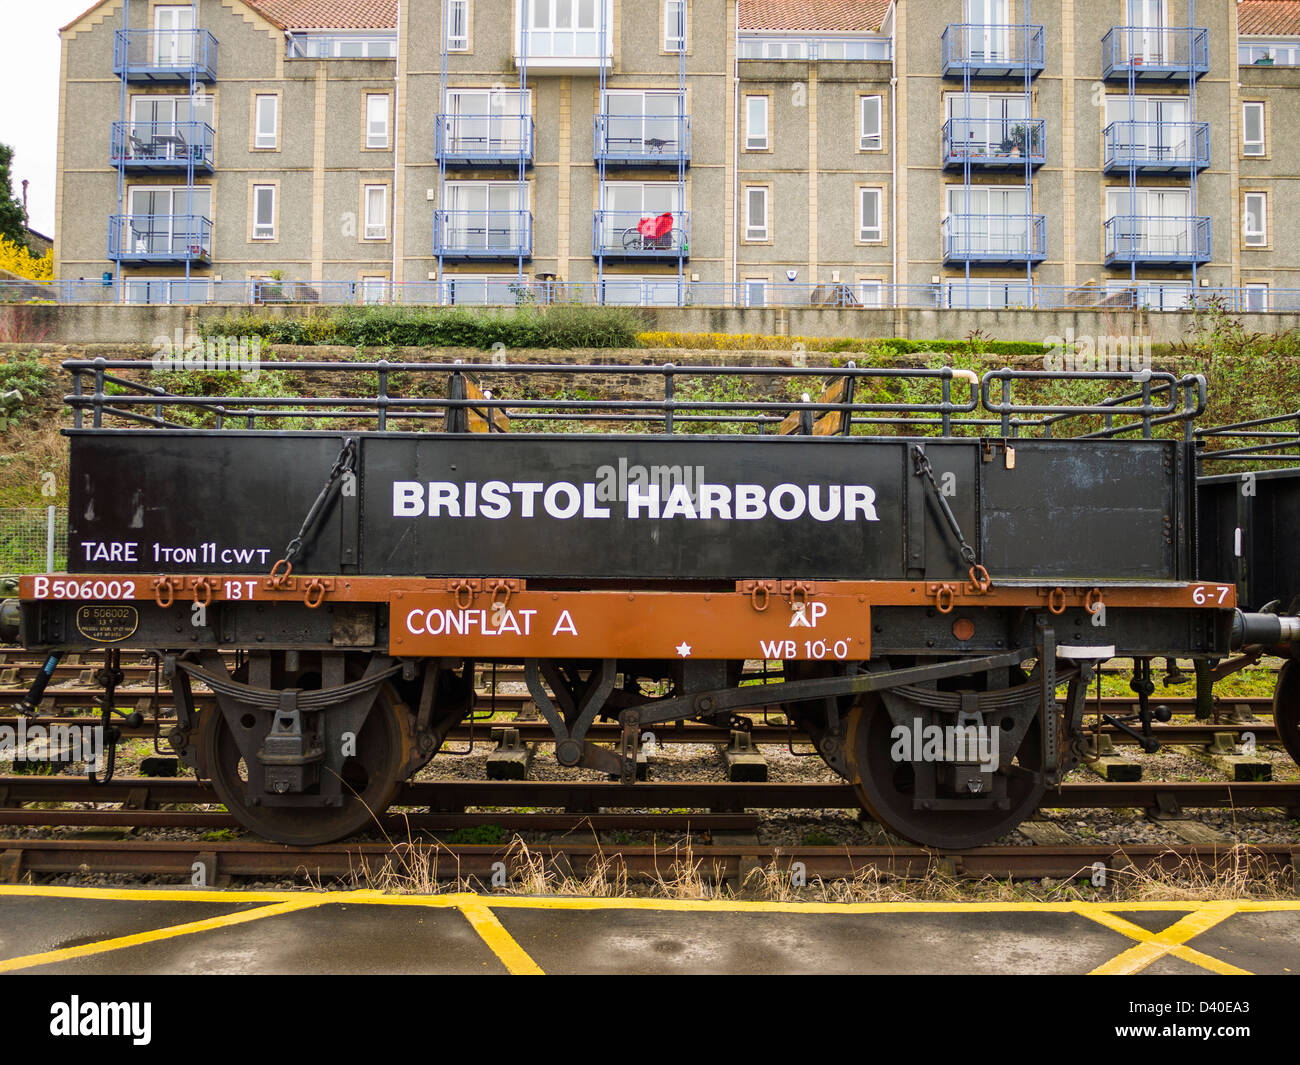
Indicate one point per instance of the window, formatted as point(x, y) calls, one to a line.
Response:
point(376, 120)
point(674, 25)
point(374, 289)
point(483, 216)
point(1254, 220)
point(458, 25)
point(644, 123)
point(168, 220)
point(376, 201)
point(567, 28)
point(756, 212)
point(488, 122)
point(1256, 298)
point(266, 133)
point(1252, 128)
point(1151, 221)
point(628, 203)
point(263, 212)
point(989, 218)
point(987, 123)
point(987, 293)
point(755, 291)
point(870, 138)
point(642, 290)
point(871, 293)
point(173, 39)
point(756, 124)
point(870, 226)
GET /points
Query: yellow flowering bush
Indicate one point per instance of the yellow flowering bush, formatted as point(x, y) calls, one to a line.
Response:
point(18, 260)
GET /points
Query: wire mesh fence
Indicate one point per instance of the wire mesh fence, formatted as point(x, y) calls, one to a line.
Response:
point(33, 540)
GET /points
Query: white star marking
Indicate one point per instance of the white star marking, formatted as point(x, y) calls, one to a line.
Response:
point(684, 649)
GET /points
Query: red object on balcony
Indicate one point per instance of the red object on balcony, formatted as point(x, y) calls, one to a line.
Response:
point(654, 228)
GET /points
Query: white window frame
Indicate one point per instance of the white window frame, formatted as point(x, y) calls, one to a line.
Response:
point(262, 139)
point(385, 101)
point(674, 26)
point(870, 291)
point(1256, 237)
point(266, 232)
point(458, 11)
point(877, 234)
point(369, 283)
point(754, 142)
point(1248, 146)
point(1252, 288)
point(762, 233)
point(865, 139)
point(750, 285)
point(372, 230)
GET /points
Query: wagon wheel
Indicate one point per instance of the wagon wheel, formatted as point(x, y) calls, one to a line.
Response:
point(885, 787)
point(1286, 707)
point(369, 779)
point(632, 240)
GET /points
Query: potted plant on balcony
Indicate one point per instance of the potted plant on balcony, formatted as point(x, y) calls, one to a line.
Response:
point(1006, 147)
point(1023, 141)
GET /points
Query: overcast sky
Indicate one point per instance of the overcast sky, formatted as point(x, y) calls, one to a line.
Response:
point(29, 97)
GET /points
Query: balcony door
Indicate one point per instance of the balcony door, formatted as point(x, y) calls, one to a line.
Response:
point(1155, 221)
point(643, 123)
point(485, 216)
point(1148, 36)
point(565, 28)
point(173, 43)
point(157, 219)
point(628, 202)
point(487, 122)
point(984, 122)
point(989, 218)
point(1155, 127)
point(989, 27)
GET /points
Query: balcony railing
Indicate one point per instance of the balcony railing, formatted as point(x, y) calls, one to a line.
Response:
point(1178, 240)
point(159, 238)
point(988, 50)
point(633, 235)
point(1157, 147)
point(994, 143)
point(165, 55)
point(642, 140)
point(1155, 52)
point(816, 49)
point(169, 146)
point(994, 238)
point(483, 234)
point(484, 140)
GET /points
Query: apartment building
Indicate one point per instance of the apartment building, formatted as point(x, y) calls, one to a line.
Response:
point(948, 152)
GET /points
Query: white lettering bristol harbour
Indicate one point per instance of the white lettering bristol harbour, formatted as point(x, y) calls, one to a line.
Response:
point(564, 500)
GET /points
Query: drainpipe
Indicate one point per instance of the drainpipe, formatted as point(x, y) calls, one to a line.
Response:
point(735, 157)
point(393, 228)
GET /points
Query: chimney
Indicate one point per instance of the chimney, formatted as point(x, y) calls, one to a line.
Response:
point(25, 201)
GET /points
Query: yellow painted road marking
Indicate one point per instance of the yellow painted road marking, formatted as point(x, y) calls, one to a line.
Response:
point(157, 934)
point(1152, 946)
point(517, 961)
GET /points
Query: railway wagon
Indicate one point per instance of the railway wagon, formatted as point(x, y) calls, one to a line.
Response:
point(920, 567)
point(1249, 523)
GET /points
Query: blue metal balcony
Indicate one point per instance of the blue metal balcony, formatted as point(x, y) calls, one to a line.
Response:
point(994, 238)
point(994, 143)
point(1155, 53)
point(164, 146)
point(484, 140)
point(1150, 240)
point(993, 50)
point(165, 55)
point(642, 140)
point(630, 236)
point(159, 238)
point(1157, 147)
point(483, 235)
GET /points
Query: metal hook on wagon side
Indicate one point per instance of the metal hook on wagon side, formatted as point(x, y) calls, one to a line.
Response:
point(163, 592)
point(463, 588)
point(1056, 600)
point(314, 594)
point(277, 576)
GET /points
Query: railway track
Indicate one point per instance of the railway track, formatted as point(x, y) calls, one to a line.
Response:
point(708, 861)
point(144, 793)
